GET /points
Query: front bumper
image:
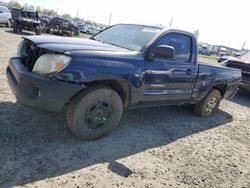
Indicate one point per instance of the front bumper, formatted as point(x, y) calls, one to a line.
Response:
point(245, 85)
point(36, 91)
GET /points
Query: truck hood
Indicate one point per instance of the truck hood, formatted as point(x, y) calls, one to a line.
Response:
point(237, 59)
point(67, 44)
point(240, 59)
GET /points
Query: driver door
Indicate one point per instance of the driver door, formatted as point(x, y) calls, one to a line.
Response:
point(171, 81)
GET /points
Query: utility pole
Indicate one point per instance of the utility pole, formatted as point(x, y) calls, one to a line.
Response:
point(171, 21)
point(110, 18)
point(77, 15)
point(244, 44)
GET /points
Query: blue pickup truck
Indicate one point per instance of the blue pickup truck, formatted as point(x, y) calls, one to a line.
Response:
point(125, 66)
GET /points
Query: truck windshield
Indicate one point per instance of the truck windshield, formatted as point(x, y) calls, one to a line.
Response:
point(132, 37)
point(28, 14)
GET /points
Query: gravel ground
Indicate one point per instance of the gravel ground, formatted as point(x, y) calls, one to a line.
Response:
point(152, 147)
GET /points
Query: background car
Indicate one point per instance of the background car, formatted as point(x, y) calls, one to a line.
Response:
point(44, 20)
point(27, 20)
point(61, 26)
point(5, 16)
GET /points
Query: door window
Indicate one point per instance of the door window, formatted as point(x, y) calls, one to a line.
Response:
point(181, 43)
point(5, 10)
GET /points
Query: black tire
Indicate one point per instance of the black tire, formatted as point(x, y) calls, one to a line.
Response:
point(15, 27)
point(209, 105)
point(94, 113)
point(47, 30)
point(38, 30)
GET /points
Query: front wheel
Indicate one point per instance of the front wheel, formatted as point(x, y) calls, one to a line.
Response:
point(209, 105)
point(94, 113)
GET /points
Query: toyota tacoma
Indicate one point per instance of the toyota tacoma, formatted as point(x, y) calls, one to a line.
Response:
point(125, 66)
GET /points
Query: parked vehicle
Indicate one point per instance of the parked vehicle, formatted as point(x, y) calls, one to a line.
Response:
point(241, 62)
point(203, 49)
point(223, 58)
point(44, 20)
point(5, 16)
point(61, 26)
point(123, 67)
point(27, 20)
point(222, 52)
point(74, 26)
point(83, 29)
point(92, 30)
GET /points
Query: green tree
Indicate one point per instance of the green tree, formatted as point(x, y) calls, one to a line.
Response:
point(38, 9)
point(197, 33)
point(15, 4)
point(44, 11)
point(66, 16)
point(52, 13)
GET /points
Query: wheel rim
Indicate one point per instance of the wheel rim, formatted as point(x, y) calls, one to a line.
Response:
point(211, 105)
point(98, 114)
point(9, 24)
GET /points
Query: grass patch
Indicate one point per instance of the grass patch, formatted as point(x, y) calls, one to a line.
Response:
point(208, 57)
point(83, 36)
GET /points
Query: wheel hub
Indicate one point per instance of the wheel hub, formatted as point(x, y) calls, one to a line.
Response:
point(98, 114)
point(210, 107)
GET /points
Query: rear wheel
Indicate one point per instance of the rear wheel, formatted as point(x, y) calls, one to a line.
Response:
point(209, 105)
point(94, 113)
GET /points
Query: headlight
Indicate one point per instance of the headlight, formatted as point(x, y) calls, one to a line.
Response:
point(51, 63)
point(21, 50)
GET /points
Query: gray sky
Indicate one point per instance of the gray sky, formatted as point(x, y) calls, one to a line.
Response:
point(219, 21)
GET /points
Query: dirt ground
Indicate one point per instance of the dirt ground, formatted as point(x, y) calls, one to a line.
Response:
point(152, 147)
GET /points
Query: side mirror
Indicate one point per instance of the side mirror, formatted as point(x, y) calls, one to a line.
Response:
point(1, 12)
point(162, 52)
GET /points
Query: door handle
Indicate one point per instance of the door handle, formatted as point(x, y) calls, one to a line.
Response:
point(189, 71)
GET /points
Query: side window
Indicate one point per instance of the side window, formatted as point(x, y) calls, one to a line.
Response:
point(3, 10)
point(6, 10)
point(181, 44)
